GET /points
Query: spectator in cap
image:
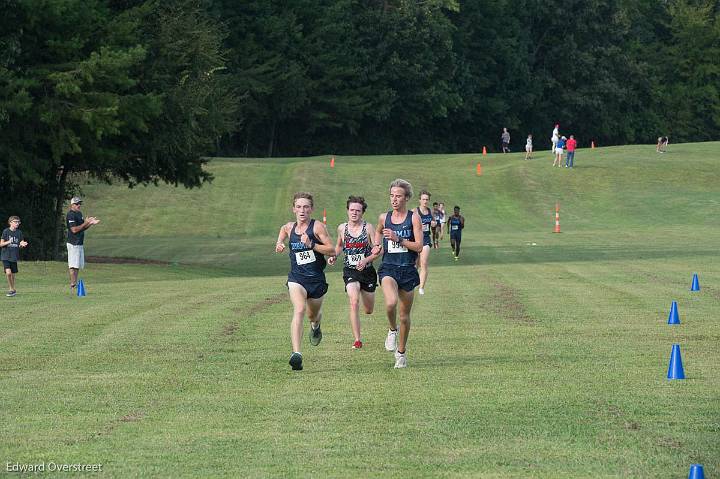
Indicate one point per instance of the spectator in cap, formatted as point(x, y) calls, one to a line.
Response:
point(76, 226)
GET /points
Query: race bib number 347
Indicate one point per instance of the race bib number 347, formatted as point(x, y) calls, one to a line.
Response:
point(305, 257)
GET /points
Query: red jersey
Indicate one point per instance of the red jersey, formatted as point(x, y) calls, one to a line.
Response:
point(571, 144)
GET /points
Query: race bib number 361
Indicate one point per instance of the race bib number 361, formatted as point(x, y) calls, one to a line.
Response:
point(305, 257)
point(394, 247)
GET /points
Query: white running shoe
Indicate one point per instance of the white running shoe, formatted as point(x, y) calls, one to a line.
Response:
point(421, 291)
point(391, 340)
point(400, 360)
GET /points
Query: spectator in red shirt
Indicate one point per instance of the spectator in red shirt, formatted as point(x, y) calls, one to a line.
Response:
point(571, 145)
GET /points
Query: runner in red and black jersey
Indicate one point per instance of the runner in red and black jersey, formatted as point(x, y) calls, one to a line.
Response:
point(355, 242)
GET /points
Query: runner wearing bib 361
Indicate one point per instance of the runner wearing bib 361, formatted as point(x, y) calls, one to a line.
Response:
point(355, 242)
point(426, 218)
point(456, 223)
point(309, 242)
point(402, 241)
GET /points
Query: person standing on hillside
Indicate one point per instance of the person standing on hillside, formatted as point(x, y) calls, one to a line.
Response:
point(559, 151)
point(309, 243)
point(528, 148)
point(456, 223)
point(402, 240)
point(505, 138)
point(555, 138)
point(76, 226)
point(10, 243)
point(570, 145)
point(426, 218)
point(355, 242)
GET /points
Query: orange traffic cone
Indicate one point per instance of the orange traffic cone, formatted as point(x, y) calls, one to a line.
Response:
point(484, 151)
point(332, 162)
point(324, 216)
point(479, 169)
point(592, 144)
point(557, 218)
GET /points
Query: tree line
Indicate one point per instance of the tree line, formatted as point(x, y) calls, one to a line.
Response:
point(145, 90)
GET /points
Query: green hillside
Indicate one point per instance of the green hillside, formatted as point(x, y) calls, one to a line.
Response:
point(536, 355)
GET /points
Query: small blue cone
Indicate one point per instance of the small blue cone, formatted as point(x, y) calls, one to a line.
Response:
point(675, 370)
point(696, 472)
point(673, 317)
point(81, 288)
point(695, 283)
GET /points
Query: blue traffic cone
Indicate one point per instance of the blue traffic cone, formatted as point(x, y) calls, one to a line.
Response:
point(695, 283)
point(675, 370)
point(696, 472)
point(673, 317)
point(81, 288)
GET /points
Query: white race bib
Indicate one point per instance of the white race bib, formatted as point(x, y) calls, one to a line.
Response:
point(426, 226)
point(354, 259)
point(453, 227)
point(305, 257)
point(394, 247)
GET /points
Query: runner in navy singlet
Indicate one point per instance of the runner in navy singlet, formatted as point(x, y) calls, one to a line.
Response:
point(355, 241)
point(309, 242)
point(436, 226)
point(456, 223)
point(426, 218)
point(402, 241)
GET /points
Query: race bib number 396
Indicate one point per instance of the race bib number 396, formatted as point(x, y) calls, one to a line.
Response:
point(394, 247)
point(305, 257)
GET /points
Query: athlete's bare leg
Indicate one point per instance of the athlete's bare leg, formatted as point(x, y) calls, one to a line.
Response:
point(406, 302)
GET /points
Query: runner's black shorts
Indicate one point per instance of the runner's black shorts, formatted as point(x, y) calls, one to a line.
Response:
point(315, 288)
point(367, 278)
point(406, 277)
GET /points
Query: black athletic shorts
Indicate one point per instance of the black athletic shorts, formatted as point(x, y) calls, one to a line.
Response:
point(11, 265)
point(406, 277)
point(315, 288)
point(367, 278)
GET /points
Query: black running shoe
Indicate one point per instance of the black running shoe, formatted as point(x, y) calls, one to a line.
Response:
point(315, 336)
point(296, 361)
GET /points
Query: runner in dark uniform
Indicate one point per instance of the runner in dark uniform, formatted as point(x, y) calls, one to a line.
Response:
point(435, 226)
point(359, 275)
point(309, 242)
point(426, 218)
point(456, 223)
point(402, 241)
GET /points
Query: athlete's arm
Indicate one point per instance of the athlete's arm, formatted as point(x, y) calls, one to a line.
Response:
point(374, 252)
point(462, 222)
point(378, 239)
point(416, 245)
point(282, 236)
point(327, 247)
point(338, 244)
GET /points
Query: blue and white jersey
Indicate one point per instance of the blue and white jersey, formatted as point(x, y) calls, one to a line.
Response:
point(394, 253)
point(305, 263)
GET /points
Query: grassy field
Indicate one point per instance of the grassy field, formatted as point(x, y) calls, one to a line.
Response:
point(545, 360)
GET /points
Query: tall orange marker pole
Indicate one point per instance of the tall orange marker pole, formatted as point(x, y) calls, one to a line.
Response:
point(557, 218)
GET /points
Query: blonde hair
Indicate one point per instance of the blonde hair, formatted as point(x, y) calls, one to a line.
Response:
point(400, 183)
point(13, 218)
point(302, 194)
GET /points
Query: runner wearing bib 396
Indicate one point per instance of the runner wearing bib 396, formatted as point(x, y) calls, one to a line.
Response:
point(309, 242)
point(402, 241)
point(426, 218)
point(359, 275)
point(456, 223)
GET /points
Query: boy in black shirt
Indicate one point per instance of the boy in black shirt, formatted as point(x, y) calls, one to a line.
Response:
point(10, 244)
